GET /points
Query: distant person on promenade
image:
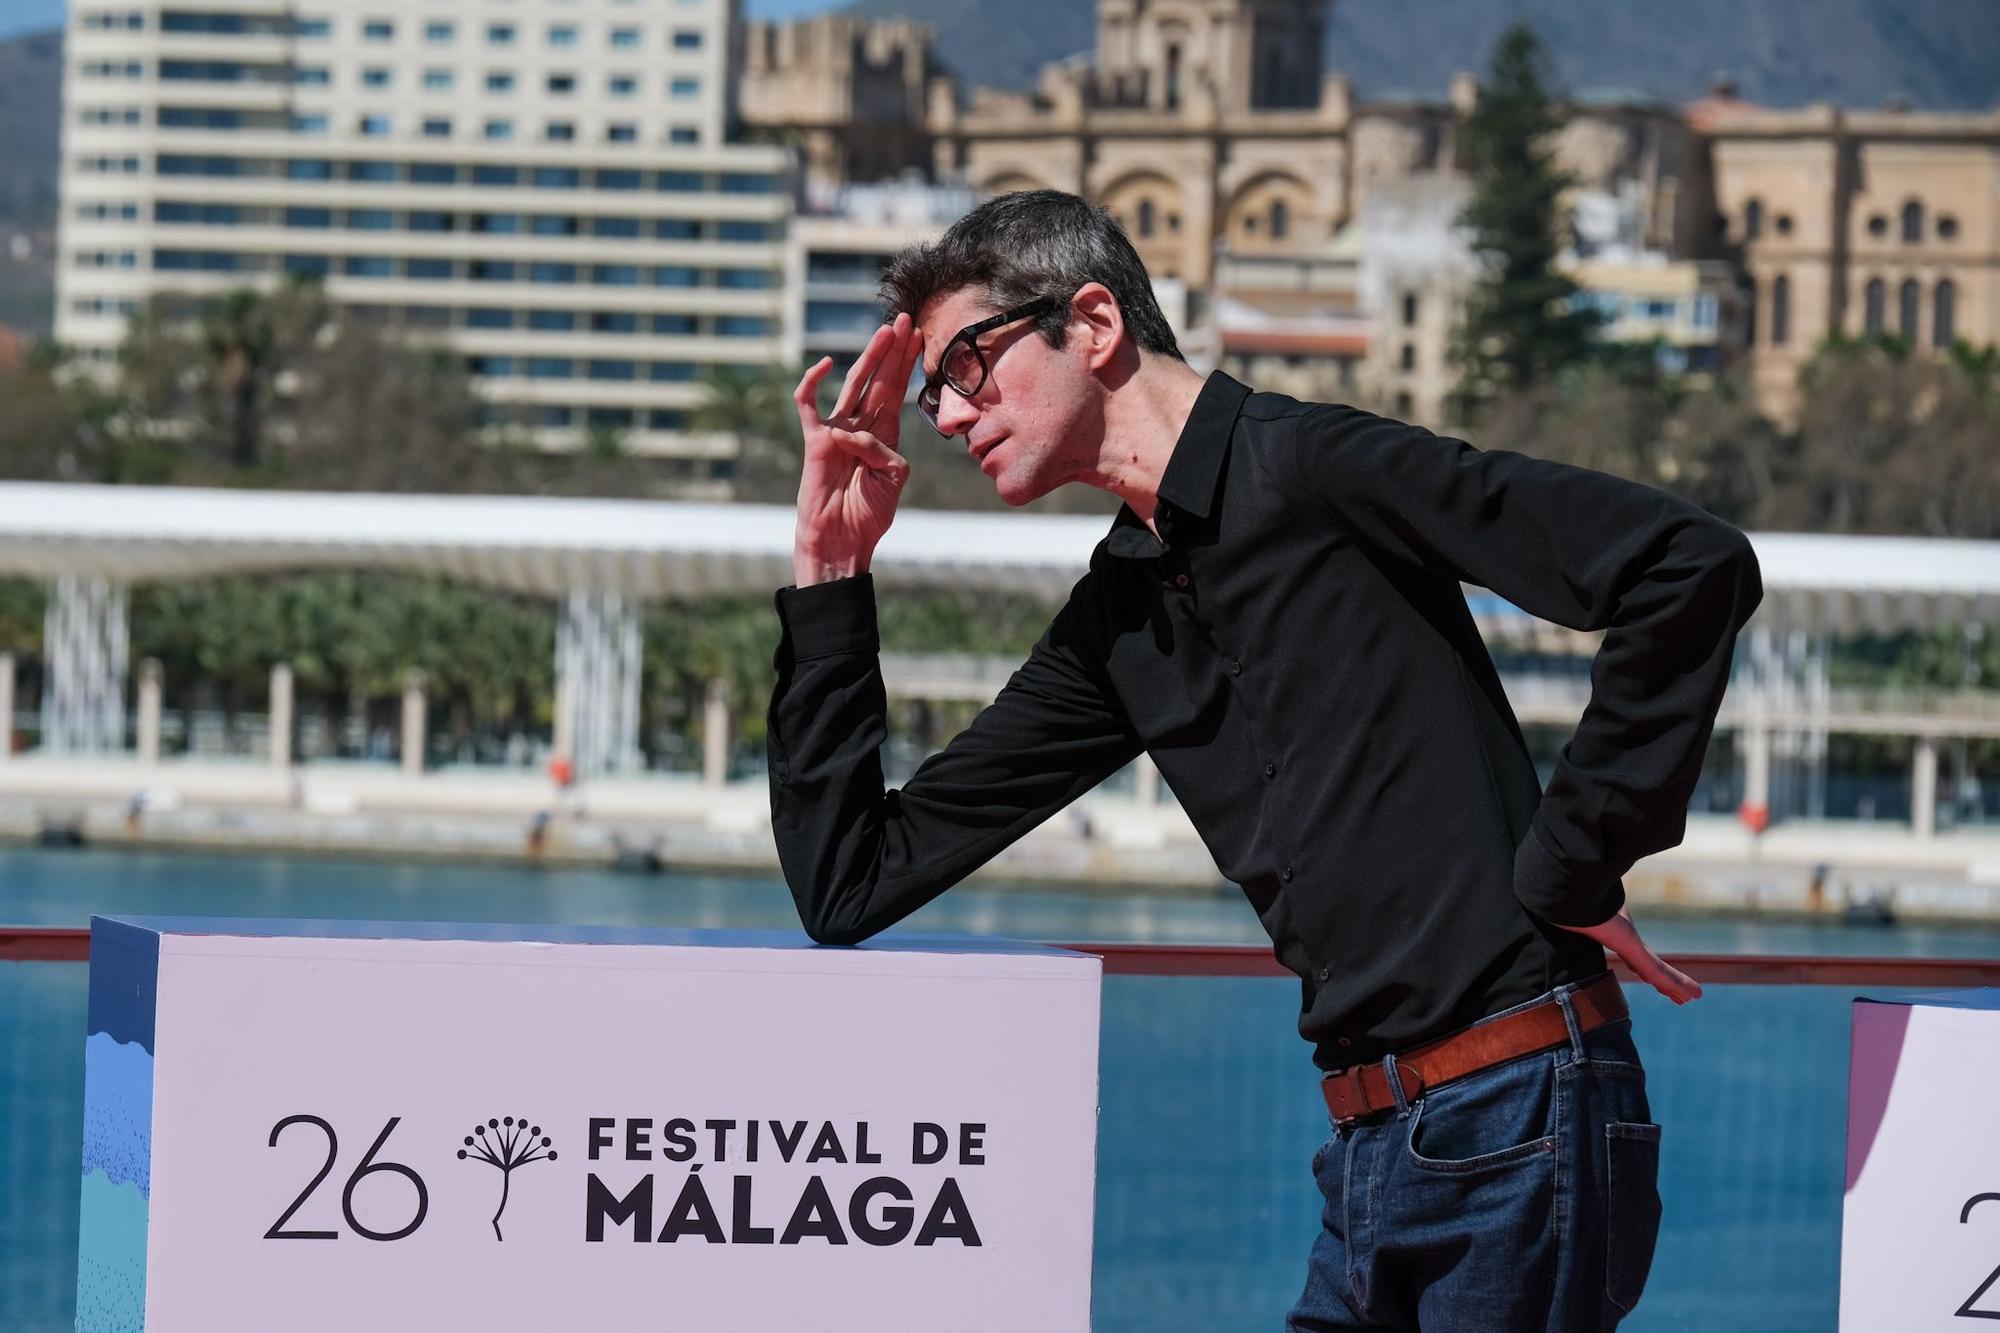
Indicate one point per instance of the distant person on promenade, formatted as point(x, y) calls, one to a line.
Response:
point(1276, 617)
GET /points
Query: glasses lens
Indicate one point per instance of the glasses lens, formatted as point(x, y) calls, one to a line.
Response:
point(927, 403)
point(962, 369)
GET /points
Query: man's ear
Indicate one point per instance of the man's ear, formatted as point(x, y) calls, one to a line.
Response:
point(1094, 317)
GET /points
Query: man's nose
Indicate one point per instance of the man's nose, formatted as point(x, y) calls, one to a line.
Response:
point(955, 415)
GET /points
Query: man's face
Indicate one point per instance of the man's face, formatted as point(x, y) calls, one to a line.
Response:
point(1025, 425)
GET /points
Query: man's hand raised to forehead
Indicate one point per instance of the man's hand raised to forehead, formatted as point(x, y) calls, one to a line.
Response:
point(853, 475)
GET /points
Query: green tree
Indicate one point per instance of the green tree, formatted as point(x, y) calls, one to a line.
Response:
point(754, 404)
point(1522, 324)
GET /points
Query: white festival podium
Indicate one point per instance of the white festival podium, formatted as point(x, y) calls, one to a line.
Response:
point(1920, 1228)
point(327, 1125)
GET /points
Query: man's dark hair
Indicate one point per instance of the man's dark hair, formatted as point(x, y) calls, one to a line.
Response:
point(1020, 247)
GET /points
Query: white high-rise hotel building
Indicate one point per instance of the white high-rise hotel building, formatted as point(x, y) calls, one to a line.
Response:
point(547, 183)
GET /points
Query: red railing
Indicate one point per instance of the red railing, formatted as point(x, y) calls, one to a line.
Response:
point(67, 944)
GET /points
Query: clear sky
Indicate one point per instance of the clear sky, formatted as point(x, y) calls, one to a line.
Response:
point(28, 15)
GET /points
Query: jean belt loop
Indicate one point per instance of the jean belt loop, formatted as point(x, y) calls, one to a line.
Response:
point(1395, 1084)
point(1576, 1050)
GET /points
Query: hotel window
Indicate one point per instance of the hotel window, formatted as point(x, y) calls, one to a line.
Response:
point(433, 173)
point(552, 224)
point(684, 87)
point(622, 85)
point(683, 134)
point(428, 269)
point(311, 76)
point(375, 78)
point(481, 317)
point(438, 80)
point(624, 39)
point(560, 131)
point(621, 133)
point(499, 81)
point(562, 35)
point(499, 34)
point(439, 31)
point(552, 321)
point(376, 127)
point(491, 270)
point(378, 30)
point(562, 84)
point(498, 129)
point(686, 39)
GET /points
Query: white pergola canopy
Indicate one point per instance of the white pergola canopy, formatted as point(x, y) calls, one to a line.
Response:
point(651, 550)
point(646, 550)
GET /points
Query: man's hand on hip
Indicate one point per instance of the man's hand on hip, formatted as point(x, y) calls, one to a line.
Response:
point(1621, 937)
point(853, 475)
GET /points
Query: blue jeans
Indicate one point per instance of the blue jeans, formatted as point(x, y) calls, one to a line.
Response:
point(1520, 1197)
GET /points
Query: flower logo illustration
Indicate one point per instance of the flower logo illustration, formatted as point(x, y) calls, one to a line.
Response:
point(506, 1144)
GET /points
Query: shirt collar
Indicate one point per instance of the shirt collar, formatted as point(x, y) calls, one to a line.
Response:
point(1194, 469)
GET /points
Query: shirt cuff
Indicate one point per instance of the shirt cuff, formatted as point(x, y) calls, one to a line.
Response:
point(1562, 894)
point(828, 619)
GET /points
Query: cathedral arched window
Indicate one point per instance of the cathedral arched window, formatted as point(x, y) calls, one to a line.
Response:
point(1280, 220)
point(1145, 217)
point(1943, 314)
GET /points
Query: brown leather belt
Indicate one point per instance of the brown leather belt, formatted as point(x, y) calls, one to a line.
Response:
point(1360, 1091)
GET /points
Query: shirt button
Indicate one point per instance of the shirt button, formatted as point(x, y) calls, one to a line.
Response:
point(1324, 973)
point(1343, 1041)
point(1287, 875)
point(1180, 580)
point(1270, 770)
point(1236, 666)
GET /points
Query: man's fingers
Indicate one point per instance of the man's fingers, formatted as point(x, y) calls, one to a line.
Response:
point(806, 396)
point(872, 452)
point(861, 373)
point(885, 390)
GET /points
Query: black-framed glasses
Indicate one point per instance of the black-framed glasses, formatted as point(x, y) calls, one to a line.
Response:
point(963, 366)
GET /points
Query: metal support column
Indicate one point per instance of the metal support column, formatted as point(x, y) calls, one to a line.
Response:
point(83, 696)
point(598, 677)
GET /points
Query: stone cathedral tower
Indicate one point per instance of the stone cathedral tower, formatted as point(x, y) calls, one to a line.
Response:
point(1250, 54)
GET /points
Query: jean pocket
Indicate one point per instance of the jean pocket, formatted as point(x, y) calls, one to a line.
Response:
point(1631, 1174)
point(1485, 1122)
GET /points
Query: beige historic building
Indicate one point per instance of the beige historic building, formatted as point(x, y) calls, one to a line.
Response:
point(1856, 223)
point(1317, 230)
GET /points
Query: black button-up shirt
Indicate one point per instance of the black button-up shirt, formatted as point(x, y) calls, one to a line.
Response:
point(1295, 652)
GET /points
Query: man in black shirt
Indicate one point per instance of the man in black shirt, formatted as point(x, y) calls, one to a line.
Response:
point(1276, 617)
